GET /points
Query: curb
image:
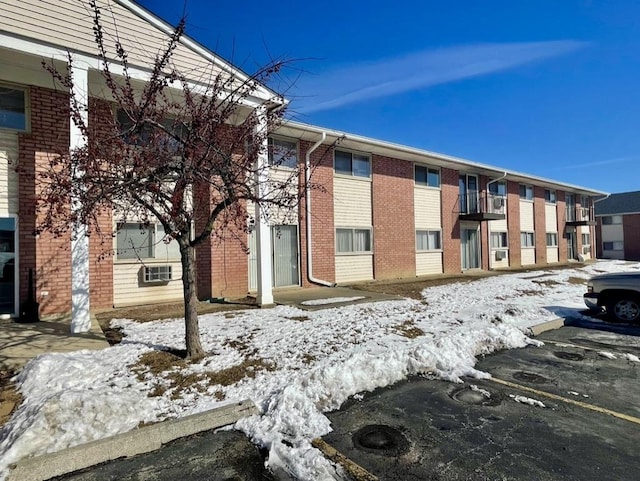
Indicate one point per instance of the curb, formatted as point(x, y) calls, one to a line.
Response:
point(138, 441)
point(546, 326)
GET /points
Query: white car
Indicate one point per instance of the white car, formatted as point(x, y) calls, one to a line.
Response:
point(617, 293)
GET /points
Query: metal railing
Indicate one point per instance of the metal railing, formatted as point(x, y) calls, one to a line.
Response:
point(482, 203)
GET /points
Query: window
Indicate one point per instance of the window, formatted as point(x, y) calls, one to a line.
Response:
point(550, 196)
point(586, 239)
point(428, 240)
point(611, 219)
point(146, 133)
point(499, 240)
point(353, 241)
point(135, 241)
point(283, 153)
point(352, 164)
point(13, 108)
point(613, 246)
point(498, 188)
point(427, 176)
point(527, 239)
point(526, 192)
point(552, 239)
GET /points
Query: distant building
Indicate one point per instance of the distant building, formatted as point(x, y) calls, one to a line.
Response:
point(618, 226)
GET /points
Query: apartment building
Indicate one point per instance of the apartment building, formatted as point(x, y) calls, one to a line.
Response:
point(618, 226)
point(385, 210)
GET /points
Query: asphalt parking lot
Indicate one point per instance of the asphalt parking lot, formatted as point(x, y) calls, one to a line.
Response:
point(589, 428)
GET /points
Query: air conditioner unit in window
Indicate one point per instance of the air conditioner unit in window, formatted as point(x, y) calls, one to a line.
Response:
point(153, 274)
point(586, 250)
point(501, 255)
point(498, 203)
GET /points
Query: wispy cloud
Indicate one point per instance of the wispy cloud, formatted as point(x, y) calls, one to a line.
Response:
point(617, 160)
point(385, 77)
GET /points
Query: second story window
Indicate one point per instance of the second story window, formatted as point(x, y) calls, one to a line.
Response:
point(348, 163)
point(611, 219)
point(426, 176)
point(13, 108)
point(550, 196)
point(526, 192)
point(283, 153)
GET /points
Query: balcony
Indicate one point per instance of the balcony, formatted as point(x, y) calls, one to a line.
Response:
point(482, 206)
point(575, 216)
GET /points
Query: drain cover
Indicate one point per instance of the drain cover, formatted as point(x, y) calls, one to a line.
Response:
point(569, 356)
point(381, 439)
point(478, 397)
point(530, 377)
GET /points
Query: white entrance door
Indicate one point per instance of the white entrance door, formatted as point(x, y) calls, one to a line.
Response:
point(286, 262)
point(8, 283)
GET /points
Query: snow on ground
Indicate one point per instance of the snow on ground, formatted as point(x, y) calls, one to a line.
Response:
point(330, 300)
point(304, 364)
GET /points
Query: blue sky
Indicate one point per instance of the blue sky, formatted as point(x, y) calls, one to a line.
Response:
point(546, 87)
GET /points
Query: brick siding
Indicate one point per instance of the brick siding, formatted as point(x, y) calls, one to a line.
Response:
point(513, 223)
point(539, 224)
point(450, 221)
point(393, 218)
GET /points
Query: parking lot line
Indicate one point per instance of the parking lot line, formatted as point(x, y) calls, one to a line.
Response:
point(581, 404)
point(354, 470)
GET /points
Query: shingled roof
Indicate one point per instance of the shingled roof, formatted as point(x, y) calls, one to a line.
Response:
point(622, 203)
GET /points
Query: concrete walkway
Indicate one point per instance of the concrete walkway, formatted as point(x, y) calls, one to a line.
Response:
point(316, 298)
point(21, 342)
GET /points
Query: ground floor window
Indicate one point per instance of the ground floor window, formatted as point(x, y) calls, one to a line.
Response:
point(552, 239)
point(353, 240)
point(613, 246)
point(135, 241)
point(527, 239)
point(428, 240)
point(499, 240)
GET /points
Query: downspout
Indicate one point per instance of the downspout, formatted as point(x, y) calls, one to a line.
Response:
point(307, 177)
point(489, 225)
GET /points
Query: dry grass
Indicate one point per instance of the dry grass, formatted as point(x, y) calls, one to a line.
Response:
point(408, 329)
point(169, 368)
point(299, 318)
point(10, 398)
point(577, 281)
point(548, 283)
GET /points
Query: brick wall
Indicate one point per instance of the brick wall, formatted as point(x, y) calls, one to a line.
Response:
point(561, 208)
point(450, 221)
point(540, 225)
point(485, 252)
point(393, 218)
point(322, 224)
point(101, 239)
point(631, 229)
point(513, 223)
point(49, 256)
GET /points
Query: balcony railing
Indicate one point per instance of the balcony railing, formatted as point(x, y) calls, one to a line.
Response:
point(481, 206)
point(579, 215)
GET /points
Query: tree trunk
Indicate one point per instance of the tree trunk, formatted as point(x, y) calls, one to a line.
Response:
point(192, 334)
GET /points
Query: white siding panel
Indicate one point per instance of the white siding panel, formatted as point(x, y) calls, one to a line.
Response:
point(354, 268)
point(427, 208)
point(8, 175)
point(129, 290)
point(498, 225)
point(68, 24)
point(528, 257)
point(612, 254)
point(526, 216)
point(282, 216)
point(428, 263)
point(495, 263)
point(550, 218)
point(584, 229)
point(352, 202)
point(552, 255)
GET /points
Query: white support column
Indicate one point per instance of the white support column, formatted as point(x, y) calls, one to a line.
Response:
point(263, 230)
point(80, 317)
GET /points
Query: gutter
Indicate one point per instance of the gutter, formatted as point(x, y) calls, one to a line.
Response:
point(504, 176)
point(307, 177)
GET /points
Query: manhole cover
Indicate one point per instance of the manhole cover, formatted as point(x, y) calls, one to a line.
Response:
point(569, 356)
point(530, 377)
point(479, 397)
point(381, 439)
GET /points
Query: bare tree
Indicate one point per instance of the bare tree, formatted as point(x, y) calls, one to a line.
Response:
point(169, 150)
